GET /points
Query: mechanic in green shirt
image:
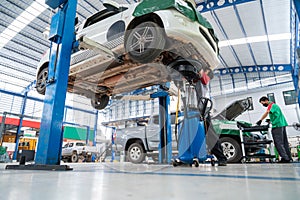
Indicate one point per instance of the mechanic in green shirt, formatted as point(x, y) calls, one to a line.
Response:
point(279, 124)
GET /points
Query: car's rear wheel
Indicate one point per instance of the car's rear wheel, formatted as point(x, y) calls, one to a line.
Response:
point(99, 102)
point(135, 153)
point(145, 42)
point(231, 149)
point(41, 81)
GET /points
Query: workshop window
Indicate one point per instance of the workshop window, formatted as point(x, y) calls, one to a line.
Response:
point(290, 97)
point(271, 97)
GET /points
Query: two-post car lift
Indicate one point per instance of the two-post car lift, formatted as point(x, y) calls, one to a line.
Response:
point(62, 39)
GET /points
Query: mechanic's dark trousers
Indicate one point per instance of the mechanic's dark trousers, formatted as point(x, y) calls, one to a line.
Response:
point(281, 142)
point(213, 143)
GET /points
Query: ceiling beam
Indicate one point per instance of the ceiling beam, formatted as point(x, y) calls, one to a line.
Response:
point(258, 68)
point(209, 5)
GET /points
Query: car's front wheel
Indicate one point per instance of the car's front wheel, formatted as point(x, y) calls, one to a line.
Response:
point(74, 157)
point(231, 149)
point(145, 42)
point(135, 153)
point(41, 81)
point(100, 102)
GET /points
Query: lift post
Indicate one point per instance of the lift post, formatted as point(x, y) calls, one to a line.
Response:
point(62, 37)
point(165, 145)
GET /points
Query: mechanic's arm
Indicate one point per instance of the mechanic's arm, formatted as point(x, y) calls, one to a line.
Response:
point(262, 117)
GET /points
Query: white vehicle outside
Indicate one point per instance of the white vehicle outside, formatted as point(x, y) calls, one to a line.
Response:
point(73, 150)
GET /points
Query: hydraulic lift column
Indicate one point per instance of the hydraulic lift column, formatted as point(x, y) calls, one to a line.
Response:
point(165, 147)
point(62, 38)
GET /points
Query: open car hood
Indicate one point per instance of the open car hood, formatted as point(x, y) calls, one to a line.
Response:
point(234, 110)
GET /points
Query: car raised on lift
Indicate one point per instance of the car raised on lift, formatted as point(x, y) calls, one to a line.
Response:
point(127, 47)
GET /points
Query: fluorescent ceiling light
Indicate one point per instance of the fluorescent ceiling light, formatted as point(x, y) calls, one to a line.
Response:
point(34, 10)
point(255, 39)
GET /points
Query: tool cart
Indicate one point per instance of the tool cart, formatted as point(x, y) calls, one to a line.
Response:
point(268, 142)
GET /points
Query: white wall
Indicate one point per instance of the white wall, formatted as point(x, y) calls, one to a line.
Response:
point(291, 112)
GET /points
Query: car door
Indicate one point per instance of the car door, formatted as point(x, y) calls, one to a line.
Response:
point(153, 133)
point(67, 150)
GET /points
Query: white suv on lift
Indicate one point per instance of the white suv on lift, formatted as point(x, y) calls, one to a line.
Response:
point(126, 47)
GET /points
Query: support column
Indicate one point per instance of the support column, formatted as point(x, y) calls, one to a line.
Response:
point(50, 138)
point(165, 145)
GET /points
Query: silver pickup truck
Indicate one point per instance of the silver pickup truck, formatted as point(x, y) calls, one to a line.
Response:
point(142, 140)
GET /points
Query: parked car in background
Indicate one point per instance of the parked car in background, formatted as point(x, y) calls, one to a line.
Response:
point(126, 47)
point(143, 139)
point(72, 151)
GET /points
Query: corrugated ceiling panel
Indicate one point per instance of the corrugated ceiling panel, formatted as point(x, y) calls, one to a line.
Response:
point(230, 23)
point(277, 16)
point(14, 79)
point(33, 108)
point(228, 57)
point(261, 53)
point(32, 37)
point(226, 80)
point(251, 17)
point(25, 76)
point(28, 35)
point(215, 88)
point(243, 54)
point(23, 55)
point(16, 62)
point(267, 79)
point(41, 22)
point(7, 61)
point(10, 103)
point(282, 77)
point(253, 76)
point(13, 8)
point(280, 51)
point(239, 82)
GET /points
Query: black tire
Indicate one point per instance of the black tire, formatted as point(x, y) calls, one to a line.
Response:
point(231, 149)
point(174, 163)
point(136, 153)
point(213, 162)
point(41, 81)
point(145, 42)
point(100, 102)
point(196, 163)
point(74, 158)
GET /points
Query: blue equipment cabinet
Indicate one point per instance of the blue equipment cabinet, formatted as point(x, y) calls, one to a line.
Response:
point(191, 141)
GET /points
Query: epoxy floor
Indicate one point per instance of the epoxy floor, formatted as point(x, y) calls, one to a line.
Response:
point(121, 181)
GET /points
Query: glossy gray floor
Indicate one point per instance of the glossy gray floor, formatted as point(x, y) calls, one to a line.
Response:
point(121, 181)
